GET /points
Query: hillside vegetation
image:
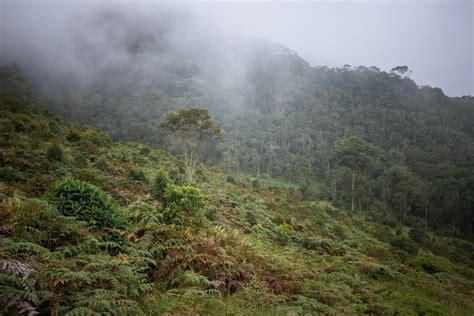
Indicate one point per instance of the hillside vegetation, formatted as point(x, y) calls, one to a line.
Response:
point(283, 118)
point(92, 226)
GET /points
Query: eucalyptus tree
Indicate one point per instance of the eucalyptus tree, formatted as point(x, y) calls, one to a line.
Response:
point(194, 128)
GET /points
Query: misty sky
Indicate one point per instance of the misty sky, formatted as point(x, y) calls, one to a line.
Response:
point(433, 38)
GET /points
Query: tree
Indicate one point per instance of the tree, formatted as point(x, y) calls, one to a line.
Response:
point(162, 181)
point(356, 154)
point(401, 71)
point(194, 127)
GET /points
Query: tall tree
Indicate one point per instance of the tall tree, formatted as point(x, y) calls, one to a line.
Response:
point(356, 154)
point(193, 127)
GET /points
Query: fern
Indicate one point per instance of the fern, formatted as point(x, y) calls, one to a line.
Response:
point(190, 278)
point(86, 202)
point(82, 311)
point(17, 288)
point(22, 249)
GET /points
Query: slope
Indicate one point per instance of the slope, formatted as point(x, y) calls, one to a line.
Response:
point(232, 245)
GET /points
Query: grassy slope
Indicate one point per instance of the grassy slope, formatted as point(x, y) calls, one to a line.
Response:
point(299, 257)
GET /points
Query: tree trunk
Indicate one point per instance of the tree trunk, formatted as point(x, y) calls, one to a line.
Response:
point(426, 219)
point(353, 189)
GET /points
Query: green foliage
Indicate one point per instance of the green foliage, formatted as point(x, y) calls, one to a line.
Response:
point(162, 181)
point(194, 128)
point(8, 174)
point(145, 151)
point(86, 202)
point(256, 184)
point(282, 235)
point(309, 191)
point(431, 264)
point(231, 179)
point(102, 164)
point(73, 136)
point(169, 261)
point(417, 234)
point(251, 218)
point(380, 272)
point(137, 175)
point(211, 215)
point(17, 284)
point(55, 153)
point(183, 204)
point(405, 244)
point(80, 160)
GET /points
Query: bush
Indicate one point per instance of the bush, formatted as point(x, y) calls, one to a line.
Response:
point(137, 175)
point(251, 219)
point(401, 255)
point(309, 191)
point(256, 185)
point(310, 243)
point(279, 219)
point(8, 174)
point(177, 176)
point(417, 234)
point(404, 243)
point(211, 215)
point(183, 204)
point(431, 264)
point(55, 153)
point(73, 136)
point(80, 160)
point(231, 179)
point(282, 235)
point(160, 184)
point(144, 151)
point(379, 272)
point(102, 164)
point(86, 202)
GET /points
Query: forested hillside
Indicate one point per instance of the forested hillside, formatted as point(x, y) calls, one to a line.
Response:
point(90, 226)
point(282, 118)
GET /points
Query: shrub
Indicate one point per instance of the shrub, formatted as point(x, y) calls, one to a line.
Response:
point(73, 136)
point(282, 235)
point(211, 215)
point(231, 179)
point(256, 184)
point(55, 153)
point(183, 204)
point(160, 184)
point(102, 164)
point(86, 202)
point(144, 151)
point(309, 191)
point(8, 174)
point(310, 243)
point(251, 219)
point(401, 255)
point(80, 160)
point(330, 248)
point(379, 272)
point(404, 243)
point(177, 176)
point(431, 264)
point(339, 231)
point(417, 234)
point(279, 219)
point(137, 175)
